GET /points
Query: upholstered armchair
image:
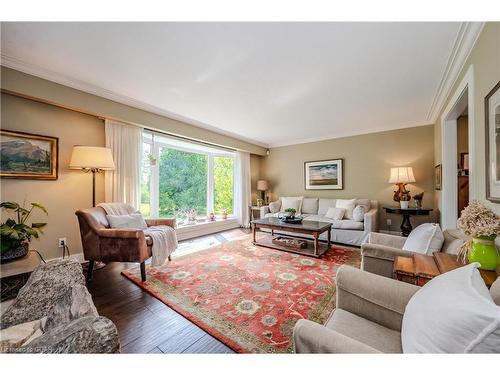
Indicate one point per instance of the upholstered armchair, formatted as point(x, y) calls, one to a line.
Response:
point(367, 319)
point(379, 252)
point(105, 244)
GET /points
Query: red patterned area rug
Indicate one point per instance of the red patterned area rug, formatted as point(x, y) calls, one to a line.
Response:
point(249, 297)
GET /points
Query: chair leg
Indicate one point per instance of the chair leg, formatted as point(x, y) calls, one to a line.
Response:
point(143, 271)
point(89, 270)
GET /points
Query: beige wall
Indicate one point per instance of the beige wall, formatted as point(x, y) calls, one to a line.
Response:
point(485, 57)
point(462, 136)
point(73, 189)
point(53, 93)
point(255, 175)
point(367, 162)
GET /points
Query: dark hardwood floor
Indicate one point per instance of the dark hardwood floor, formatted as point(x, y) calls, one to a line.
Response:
point(145, 324)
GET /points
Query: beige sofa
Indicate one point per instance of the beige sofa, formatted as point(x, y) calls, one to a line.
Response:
point(349, 232)
point(367, 319)
point(379, 252)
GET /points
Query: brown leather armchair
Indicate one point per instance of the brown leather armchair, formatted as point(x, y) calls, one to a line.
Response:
point(105, 244)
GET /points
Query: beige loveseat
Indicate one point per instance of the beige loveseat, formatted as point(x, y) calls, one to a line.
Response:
point(350, 232)
point(379, 252)
point(368, 317)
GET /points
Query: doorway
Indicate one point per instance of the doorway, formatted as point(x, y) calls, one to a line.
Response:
point(457, 145)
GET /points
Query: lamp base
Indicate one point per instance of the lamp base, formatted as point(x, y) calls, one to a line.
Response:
point(401, 194)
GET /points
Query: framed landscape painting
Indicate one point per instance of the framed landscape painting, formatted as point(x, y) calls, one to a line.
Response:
point(323, 174)
point(28, 156)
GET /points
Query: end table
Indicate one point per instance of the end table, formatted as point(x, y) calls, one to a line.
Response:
point(406, 227)
point(15, 273)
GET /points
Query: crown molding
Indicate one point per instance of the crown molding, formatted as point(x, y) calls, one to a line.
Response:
point(464, 43)
point(31, 69)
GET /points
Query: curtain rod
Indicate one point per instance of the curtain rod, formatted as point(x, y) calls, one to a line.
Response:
point(189, 139)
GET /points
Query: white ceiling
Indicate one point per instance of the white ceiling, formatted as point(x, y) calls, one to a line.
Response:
point(272, 83)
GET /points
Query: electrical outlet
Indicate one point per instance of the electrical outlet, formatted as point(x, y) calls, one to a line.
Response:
point(61, 242)
point(389, 222)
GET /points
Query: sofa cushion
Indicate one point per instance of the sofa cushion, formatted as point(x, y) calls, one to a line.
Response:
point(275, 207)
point(291, 202)
point(365, 331)
point(324, 204)
point(427, 238)
point(348, 205)
point(366, 203)
point(452, 313)
point(358, 214)
point(338, 224)
point(310, 206)
point(335, 213)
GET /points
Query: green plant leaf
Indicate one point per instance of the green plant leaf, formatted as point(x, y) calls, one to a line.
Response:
point(10, 222)
point(9, 205)
point(40, 206)
point(38, 225)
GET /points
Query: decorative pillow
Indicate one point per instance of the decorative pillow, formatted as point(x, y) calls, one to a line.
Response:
point(335, 213)
point(348, 205)
point(495, 291)
point(132, 221)
point(358, 214)
point(425, 239)
point(274, 207)
point(452, 313)
point(291, 202)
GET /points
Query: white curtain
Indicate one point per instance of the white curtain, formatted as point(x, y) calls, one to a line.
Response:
point(124, 183)
point(242, 188)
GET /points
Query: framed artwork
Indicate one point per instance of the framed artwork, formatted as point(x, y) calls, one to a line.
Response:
point(28, 156)
point(324, 174)
point(438, 175)
point(492, 146)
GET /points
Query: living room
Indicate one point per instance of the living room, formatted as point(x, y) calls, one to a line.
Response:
point(250, 187)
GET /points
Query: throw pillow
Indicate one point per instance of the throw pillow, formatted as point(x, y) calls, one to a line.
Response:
point(425, 239)
point(274, 207)
point(132, 221)
point(291, 202)
point(358, 214)
point(495, 291)
point(335, 213)
point(452, 313)
point(348, 205)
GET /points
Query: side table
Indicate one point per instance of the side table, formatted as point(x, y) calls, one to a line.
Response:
point(406, 226)
point(14, 274)
point(253, 210)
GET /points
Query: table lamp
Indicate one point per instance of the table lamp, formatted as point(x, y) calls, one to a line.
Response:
point(92, 159)
point(262, 186)
point(401, 176)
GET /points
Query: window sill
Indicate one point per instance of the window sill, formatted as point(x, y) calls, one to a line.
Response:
point(205, 228)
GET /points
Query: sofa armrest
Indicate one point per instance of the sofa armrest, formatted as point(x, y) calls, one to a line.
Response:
point(383, 252)
point(370, 220)
point(263, 211)
point(155, 222)
point(373, 297)
point(386, 239)
point(311, 337)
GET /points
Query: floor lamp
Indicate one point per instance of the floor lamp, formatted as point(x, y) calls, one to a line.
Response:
point(95, 160)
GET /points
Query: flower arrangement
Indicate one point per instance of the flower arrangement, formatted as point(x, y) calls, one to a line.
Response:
point(483, 225)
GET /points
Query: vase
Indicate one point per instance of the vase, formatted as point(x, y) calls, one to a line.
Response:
point(403, 204)
point(484, 251)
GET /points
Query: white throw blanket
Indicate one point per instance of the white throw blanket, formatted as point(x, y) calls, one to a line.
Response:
point(164, 237)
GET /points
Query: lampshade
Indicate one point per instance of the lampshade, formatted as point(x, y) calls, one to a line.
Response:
point(92, 158)
point(262, 185)
point(401, 175)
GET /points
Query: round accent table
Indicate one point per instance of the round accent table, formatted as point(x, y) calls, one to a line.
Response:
point(406, 227)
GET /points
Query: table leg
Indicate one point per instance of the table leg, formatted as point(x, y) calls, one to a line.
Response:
point(253, 232)
point(406, 227)
point(329, 238)
point(316, 244)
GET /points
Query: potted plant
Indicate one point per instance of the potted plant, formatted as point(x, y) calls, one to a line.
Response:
point(224, 214)
point(16, 233)
point(290, 213)
point(483, 225)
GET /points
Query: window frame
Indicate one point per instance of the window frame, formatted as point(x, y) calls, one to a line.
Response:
point(156, 145)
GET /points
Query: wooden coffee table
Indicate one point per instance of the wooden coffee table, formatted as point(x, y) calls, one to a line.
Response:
point(312, 247)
